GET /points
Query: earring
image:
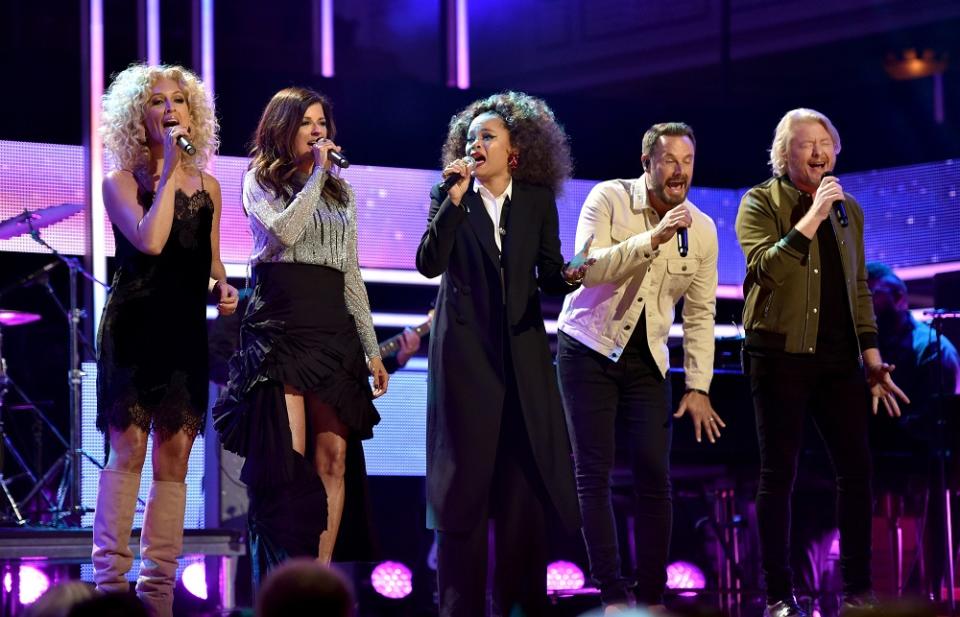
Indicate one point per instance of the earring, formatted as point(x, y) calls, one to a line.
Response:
point(513, 160)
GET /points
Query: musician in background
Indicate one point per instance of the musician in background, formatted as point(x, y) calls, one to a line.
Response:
point(905, 447)
point(408, 342)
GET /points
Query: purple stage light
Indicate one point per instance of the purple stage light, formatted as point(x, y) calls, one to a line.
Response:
point(564, 576)
point(33, 584)
point(392, 579)
point(194, 579)
point(685, 575)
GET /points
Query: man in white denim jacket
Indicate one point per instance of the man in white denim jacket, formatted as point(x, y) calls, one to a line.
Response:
point(613, 358)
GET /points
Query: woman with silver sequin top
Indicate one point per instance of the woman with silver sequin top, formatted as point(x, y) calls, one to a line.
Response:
point(298, 401)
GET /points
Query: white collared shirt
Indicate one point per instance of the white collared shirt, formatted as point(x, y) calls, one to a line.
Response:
point(494, 206)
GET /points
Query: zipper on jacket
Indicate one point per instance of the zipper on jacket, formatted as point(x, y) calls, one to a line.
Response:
point(769, 303)
point(806, 306)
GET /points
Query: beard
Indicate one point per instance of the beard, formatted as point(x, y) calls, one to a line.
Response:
point(671, 199)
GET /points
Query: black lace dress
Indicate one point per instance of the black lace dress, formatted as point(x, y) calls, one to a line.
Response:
point(152, 343)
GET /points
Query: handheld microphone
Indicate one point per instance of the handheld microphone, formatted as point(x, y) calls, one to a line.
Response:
point(185, 145)
point(452, 179)
point(838, 206)
point(338, 159)
point(682, 245)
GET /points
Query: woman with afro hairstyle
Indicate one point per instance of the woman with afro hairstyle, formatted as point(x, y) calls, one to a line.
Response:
point(497, 445)
point(152, 348)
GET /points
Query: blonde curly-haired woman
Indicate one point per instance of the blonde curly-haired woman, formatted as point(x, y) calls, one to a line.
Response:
point(152, 351)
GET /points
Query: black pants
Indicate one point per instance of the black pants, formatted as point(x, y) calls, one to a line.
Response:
point(785, 389)
point(595, 392)
point(518, 506)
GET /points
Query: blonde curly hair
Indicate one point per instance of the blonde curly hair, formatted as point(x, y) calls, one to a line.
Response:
point(121, 122)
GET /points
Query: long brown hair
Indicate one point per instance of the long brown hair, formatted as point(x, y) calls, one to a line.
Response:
point(272, 150)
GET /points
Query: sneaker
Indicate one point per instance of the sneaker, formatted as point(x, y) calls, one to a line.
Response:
point(784, 608)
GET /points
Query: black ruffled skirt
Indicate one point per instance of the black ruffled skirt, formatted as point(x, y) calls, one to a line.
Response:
point(296, 331)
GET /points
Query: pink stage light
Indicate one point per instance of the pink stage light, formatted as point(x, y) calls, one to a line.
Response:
point(392, 579)
point(685, 575)
point(194, 579)
point(33, 584)
point(564, 576)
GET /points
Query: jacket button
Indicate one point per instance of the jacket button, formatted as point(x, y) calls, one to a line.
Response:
point(626, 327)
point(684, 268)
point(810, 349)
point(816, 271)
point(814, 310)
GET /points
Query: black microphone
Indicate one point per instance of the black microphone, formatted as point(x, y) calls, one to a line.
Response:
point(682, 245)
point(338, 159)
point(185, 145)
point(838, 206)
point(452, 179)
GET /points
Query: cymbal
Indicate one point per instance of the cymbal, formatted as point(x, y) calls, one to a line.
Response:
point(21, 223)
point(17, 318)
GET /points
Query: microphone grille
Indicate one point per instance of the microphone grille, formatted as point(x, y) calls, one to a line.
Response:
point(469, 160)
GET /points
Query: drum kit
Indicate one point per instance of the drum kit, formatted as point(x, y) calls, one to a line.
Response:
point(65, 506)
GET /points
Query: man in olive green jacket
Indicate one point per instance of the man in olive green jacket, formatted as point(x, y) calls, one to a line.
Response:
point(810, 346)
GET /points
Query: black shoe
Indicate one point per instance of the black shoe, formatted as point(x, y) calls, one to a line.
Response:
point(784, 608)
point(859, 601)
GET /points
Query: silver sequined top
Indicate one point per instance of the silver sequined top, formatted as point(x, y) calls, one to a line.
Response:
point(310, 230)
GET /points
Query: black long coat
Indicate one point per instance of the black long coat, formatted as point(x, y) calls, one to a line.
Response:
point(466, 384)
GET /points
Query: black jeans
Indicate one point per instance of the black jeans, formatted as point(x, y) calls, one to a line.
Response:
point(785, 389)
point(595, 392)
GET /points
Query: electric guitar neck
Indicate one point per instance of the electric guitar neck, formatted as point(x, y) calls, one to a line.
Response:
point(392, 345)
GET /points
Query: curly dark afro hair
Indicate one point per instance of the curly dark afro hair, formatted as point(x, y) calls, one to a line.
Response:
point(542, 144)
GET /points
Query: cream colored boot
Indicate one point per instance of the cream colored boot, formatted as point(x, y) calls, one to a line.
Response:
point(112, 521)
point(161, 542)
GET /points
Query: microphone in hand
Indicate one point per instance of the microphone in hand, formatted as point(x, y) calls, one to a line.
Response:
point(184, 143)
point(839, 207)
point(683, 246)
point(338, 159)
point(450, 181)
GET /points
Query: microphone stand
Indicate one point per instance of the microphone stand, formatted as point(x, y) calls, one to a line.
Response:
point(942, 450)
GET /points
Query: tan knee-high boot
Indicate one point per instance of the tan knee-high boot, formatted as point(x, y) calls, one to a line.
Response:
point(112, 520)
point(161, 542)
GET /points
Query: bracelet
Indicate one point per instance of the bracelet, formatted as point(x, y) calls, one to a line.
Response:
point(697, 390)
